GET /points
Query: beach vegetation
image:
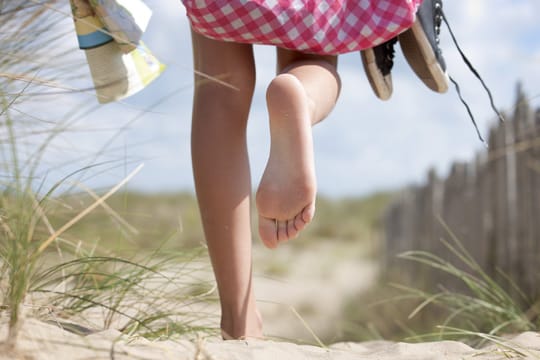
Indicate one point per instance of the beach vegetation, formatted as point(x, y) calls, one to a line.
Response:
point(49, 268)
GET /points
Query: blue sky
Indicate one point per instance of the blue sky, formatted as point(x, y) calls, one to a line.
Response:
point(365, 145)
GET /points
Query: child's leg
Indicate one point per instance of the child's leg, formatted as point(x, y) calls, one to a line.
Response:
point(304, 93)
point(222, 177)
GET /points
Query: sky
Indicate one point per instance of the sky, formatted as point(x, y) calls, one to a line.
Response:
point(365, 145)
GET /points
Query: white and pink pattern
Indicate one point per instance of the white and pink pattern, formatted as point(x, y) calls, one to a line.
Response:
point(315, 26)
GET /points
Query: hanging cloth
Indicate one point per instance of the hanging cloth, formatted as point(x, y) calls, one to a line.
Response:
point(110, 32)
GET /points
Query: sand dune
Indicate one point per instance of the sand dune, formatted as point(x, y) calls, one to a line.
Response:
point(41, 341)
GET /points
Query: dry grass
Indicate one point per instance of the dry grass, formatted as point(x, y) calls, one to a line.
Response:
point(45, 264)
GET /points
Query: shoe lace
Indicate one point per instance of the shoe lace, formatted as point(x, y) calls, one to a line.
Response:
point(385, 55)
point(438, 20)
point(439, 17)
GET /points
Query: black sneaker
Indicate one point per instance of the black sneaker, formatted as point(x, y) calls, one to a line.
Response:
point(378, 62)
point(420, 46)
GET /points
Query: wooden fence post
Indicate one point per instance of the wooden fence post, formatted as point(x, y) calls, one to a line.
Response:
point(523, 247)
point(534, 165)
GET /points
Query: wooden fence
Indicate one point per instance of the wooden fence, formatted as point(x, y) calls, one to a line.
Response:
point(491, 204)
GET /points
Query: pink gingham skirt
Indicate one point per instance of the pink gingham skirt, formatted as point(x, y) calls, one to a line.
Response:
point(314, 26)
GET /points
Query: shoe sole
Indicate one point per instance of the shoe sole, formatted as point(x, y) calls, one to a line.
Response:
point(381, 84)
point(421, 58)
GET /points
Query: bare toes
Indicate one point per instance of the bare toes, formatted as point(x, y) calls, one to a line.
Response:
point(268, 232)
point(308, 213)
point(299, 222)
point(292, 232)
point(282, 235)
point(304, 217)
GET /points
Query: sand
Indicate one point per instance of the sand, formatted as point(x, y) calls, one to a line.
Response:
point(315, 286)
point(42, 341)
point(288, 279)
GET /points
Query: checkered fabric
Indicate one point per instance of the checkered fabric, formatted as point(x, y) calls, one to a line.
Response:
point(315, 26)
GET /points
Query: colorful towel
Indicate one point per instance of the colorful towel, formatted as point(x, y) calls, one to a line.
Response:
point(110, 32)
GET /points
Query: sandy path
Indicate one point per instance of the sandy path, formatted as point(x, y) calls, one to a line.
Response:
point(314, 280)
point(42, 341)
point(317, 281)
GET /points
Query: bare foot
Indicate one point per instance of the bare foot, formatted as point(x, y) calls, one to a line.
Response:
point(286, 195)
point(251, 328)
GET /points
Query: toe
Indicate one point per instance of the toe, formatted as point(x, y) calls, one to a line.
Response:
point(304, 217)
point(291, 229)
point(299, 222)
point(308, 213)
point(267, 232)
point(282, 235)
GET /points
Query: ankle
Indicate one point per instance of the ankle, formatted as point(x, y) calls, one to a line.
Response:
point(235, 325)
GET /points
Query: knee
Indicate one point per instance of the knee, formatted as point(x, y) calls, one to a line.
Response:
point(231, 93)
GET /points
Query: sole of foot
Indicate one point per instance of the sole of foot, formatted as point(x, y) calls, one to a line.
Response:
point(286, 195)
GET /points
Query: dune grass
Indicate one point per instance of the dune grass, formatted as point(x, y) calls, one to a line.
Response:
point(481, 305)
point(156, 295)
point(47, 270)
point(161, 296)
point(474, 308)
